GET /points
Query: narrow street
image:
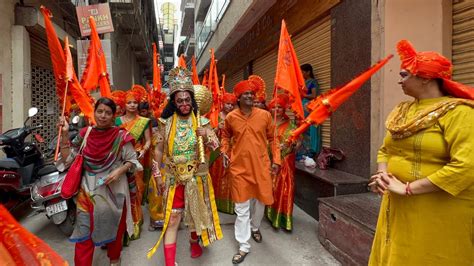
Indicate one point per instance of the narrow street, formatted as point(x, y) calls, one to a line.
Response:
point(301, 247)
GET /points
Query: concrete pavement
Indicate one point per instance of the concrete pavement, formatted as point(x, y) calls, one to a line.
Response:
point(300, 247)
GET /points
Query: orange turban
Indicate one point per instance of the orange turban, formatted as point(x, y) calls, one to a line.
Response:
point(432, 65)
point(281, 100)
point(229, 98)
point(261, 99)
point(119, 98)
point(260, 85)
point(244, 86)
point(138, 93)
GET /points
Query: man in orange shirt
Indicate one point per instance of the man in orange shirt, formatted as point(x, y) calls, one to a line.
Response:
point(251, 130)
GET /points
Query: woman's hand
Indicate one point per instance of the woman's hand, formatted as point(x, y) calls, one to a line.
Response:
point(379, 182)
point(113, 176)
point(65, 125)
point(396, 186)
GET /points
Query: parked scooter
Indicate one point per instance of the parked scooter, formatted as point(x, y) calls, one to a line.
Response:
point(23, 163)
point(46, 192)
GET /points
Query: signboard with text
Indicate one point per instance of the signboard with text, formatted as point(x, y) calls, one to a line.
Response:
point(83, 47)
point(101, 15)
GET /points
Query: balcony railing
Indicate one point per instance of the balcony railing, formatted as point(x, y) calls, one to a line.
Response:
point(213, 17)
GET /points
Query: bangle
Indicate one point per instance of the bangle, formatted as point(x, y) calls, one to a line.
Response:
point(408, 191)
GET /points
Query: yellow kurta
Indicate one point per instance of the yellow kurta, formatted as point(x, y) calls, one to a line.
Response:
point(433, 228)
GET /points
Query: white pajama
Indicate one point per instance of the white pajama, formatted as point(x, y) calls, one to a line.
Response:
point(249, 217)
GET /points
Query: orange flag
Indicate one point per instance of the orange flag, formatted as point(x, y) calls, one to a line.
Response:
point(324, 105)
point(80, 96)
point(182, 61)
point(20, 247)
point(205, 77)
point(195, 74)
point(95, 73)
point(156, 70)
point(288, 73)
point(213, 82)
point(57, 54)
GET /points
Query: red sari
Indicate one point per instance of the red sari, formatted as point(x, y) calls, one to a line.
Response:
point(280, 213)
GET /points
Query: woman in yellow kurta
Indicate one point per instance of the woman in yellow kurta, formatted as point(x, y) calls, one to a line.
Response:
point(140, 130)
point(426, 169)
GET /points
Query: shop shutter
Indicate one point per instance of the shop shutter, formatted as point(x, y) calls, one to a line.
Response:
point(40, 55)
point(463, 41)
point(265, 67)
point(313, 46)
point(233, 79)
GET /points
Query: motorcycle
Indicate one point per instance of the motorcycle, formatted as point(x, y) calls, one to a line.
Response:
point(23, 163)
point(46, 192)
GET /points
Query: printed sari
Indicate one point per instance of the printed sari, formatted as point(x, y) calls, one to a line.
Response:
point(281, 211)
point(136, 129)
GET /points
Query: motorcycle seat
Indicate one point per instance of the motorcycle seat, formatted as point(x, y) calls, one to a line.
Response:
point(47, 169)
point(9, 163)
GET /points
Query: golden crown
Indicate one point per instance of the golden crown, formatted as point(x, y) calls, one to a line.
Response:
point(180, 80)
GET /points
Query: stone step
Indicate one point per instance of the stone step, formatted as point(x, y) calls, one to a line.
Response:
point(347, 226)
point(312, 184)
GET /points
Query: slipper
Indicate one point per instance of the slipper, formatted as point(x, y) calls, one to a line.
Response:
point(257, 236)
point(239, 257)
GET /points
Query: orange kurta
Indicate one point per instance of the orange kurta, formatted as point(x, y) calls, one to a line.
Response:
point(249, 158)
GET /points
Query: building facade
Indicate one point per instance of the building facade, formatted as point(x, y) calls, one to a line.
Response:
point(340, 39)
point(26, 71)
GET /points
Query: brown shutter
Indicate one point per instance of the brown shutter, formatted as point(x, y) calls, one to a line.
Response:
point(231, 80)
point(265, 67)
point(313, 46)
point(463, 41)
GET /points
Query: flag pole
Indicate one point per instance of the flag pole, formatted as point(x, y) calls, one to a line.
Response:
point(56, 153)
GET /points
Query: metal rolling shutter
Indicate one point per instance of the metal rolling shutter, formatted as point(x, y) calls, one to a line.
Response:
point(313, 46)
point(233, 79)
point(463, 41)
point(265, 67)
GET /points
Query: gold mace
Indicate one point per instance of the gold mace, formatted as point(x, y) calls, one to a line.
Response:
point(203, 98)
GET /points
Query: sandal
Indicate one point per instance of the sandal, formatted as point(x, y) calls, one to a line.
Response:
point(257, 236)
point(239, 257)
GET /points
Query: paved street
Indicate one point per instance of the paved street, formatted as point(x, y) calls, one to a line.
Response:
point(301, 247)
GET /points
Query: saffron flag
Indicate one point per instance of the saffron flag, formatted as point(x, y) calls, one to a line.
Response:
point(95, 73)
point(195, 74)
point(205, 78)
point(20, 247)
point(324, 105)
point(81, 97)
point(288, 73)
point(213, 82)
point(156, 71)
point(182, 61)
point(57, 54)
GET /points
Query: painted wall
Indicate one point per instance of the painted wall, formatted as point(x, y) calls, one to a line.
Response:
point(425, 23)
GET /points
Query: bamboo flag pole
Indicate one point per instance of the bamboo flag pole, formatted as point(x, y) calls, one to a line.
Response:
point(56, 153)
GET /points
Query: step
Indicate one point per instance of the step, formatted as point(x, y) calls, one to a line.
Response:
point(347, 226)
point(313, 183)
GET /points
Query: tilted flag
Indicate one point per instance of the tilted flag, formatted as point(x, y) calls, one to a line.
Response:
point(326, 104)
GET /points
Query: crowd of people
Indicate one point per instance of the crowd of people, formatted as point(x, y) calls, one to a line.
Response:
point(132, 156)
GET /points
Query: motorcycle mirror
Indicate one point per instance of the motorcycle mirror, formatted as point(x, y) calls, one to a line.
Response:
point(32, 111)
point(75, 119)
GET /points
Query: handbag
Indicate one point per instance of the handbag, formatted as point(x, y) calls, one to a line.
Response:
point(329, 155)
point(73, 177)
